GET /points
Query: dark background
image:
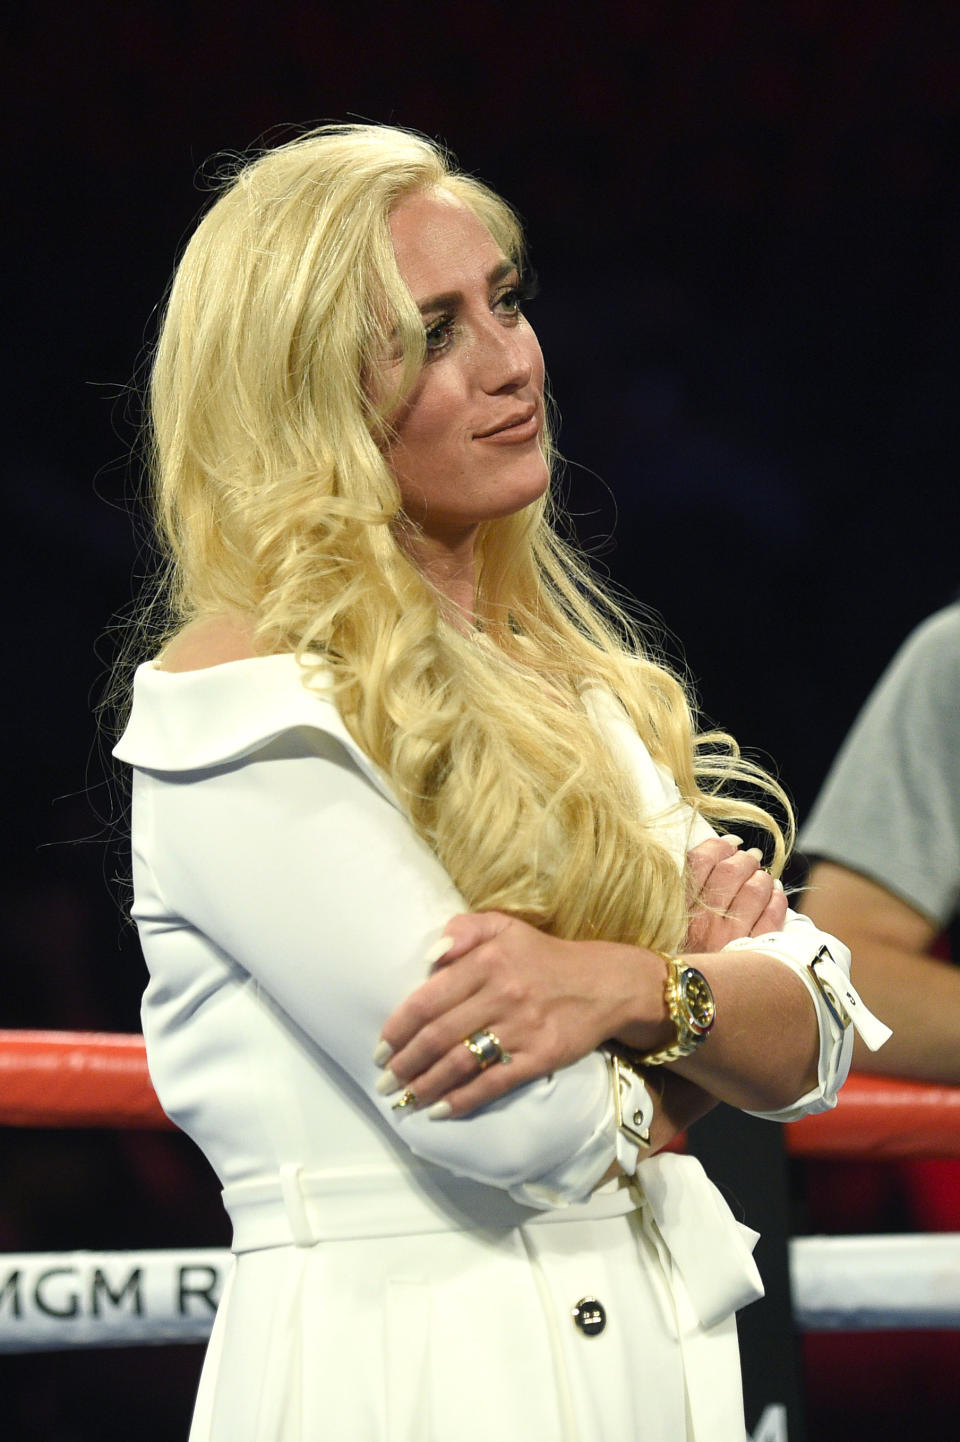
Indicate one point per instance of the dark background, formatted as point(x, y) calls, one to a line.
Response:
point(744, 216)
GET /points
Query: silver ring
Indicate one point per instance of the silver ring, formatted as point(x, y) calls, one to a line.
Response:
point(486, 1048)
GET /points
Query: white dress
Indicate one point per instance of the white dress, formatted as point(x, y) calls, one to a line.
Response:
point(399, 1279)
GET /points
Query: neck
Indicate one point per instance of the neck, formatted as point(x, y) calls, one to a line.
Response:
point(449, 566)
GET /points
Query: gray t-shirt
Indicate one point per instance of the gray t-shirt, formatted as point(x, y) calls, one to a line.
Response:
point(890, 806)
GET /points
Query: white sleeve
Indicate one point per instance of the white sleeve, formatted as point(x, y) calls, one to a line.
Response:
point(823, 964)
point(313, 883)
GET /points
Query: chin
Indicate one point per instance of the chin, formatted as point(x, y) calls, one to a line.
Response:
point(524, 489)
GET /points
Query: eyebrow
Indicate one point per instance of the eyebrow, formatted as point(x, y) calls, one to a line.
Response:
point(451, 298)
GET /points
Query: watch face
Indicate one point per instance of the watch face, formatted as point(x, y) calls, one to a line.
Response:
point(697, 1000)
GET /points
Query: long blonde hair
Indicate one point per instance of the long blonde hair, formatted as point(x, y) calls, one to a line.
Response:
point(274, 500)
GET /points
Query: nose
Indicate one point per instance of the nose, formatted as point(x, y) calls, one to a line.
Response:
point(504, 360)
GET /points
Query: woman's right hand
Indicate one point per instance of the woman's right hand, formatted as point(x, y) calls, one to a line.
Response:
point(731, 895)
point(547, 1001)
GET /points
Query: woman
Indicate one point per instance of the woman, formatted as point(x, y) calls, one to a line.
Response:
point(394, 722)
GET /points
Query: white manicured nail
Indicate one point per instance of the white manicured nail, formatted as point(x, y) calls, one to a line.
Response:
point(383, 1051)
point(778, 885)
point(755, 852)
point(387, 1083)
point(735, 840)
point(440, 1111)
point(439, 948)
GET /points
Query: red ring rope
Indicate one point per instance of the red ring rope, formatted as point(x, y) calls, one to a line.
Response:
point(76, 1079)
point(882, 1118)
point(98, 1079)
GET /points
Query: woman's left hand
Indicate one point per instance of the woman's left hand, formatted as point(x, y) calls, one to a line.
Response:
point(730, 895)
point(546, 1001)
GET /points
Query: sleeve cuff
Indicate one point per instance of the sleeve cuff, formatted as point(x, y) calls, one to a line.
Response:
point(823, 964)
point(574, 1179)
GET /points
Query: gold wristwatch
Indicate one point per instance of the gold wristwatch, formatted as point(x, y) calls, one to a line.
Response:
point(692, 1009)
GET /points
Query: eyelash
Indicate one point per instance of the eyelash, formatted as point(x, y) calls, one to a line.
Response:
point(442, 328)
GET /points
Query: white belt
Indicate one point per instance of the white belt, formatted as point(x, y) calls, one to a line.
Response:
point(710, 1250)
point(300, 1207)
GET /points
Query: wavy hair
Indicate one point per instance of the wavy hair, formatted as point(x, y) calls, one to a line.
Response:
point(274, 500)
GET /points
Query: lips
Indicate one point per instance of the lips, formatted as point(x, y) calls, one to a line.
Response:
point(520, 425)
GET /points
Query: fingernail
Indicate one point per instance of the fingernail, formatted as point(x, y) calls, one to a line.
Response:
point(387, 1083)
point(407, 1099)
point(735, 840)
point(382, 1053)
point(778, 885)
point(755, 852)
point(439, 948)
point(440, 1111)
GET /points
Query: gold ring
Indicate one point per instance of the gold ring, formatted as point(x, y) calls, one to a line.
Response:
point(486, 1048)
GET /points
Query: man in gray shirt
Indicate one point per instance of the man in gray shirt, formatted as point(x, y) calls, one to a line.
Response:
point(884, 837)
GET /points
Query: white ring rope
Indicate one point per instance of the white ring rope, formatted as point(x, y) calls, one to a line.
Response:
point(862, 1284)
point(54, 1301)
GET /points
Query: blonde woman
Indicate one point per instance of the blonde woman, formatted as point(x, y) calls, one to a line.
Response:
point(411, 819)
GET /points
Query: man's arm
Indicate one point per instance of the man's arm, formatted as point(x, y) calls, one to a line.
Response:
point(898, 979)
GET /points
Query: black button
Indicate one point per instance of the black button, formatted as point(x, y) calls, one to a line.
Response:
point(590, 1316)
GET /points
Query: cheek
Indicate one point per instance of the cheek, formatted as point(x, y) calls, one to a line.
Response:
point(428, 421)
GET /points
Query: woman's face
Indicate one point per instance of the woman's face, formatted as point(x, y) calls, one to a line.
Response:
point(466, 444)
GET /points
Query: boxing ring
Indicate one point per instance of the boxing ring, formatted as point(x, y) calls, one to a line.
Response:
point(57, 1301)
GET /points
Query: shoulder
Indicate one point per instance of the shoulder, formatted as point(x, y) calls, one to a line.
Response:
point(217, 705)
point(911, 713)
point(921, 685)
point(210, 641)
point(943, 627)
point(932, 649)
point(890, 806)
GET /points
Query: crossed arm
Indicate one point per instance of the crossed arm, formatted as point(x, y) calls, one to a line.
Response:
point(551, 1002)
point(332, 916)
